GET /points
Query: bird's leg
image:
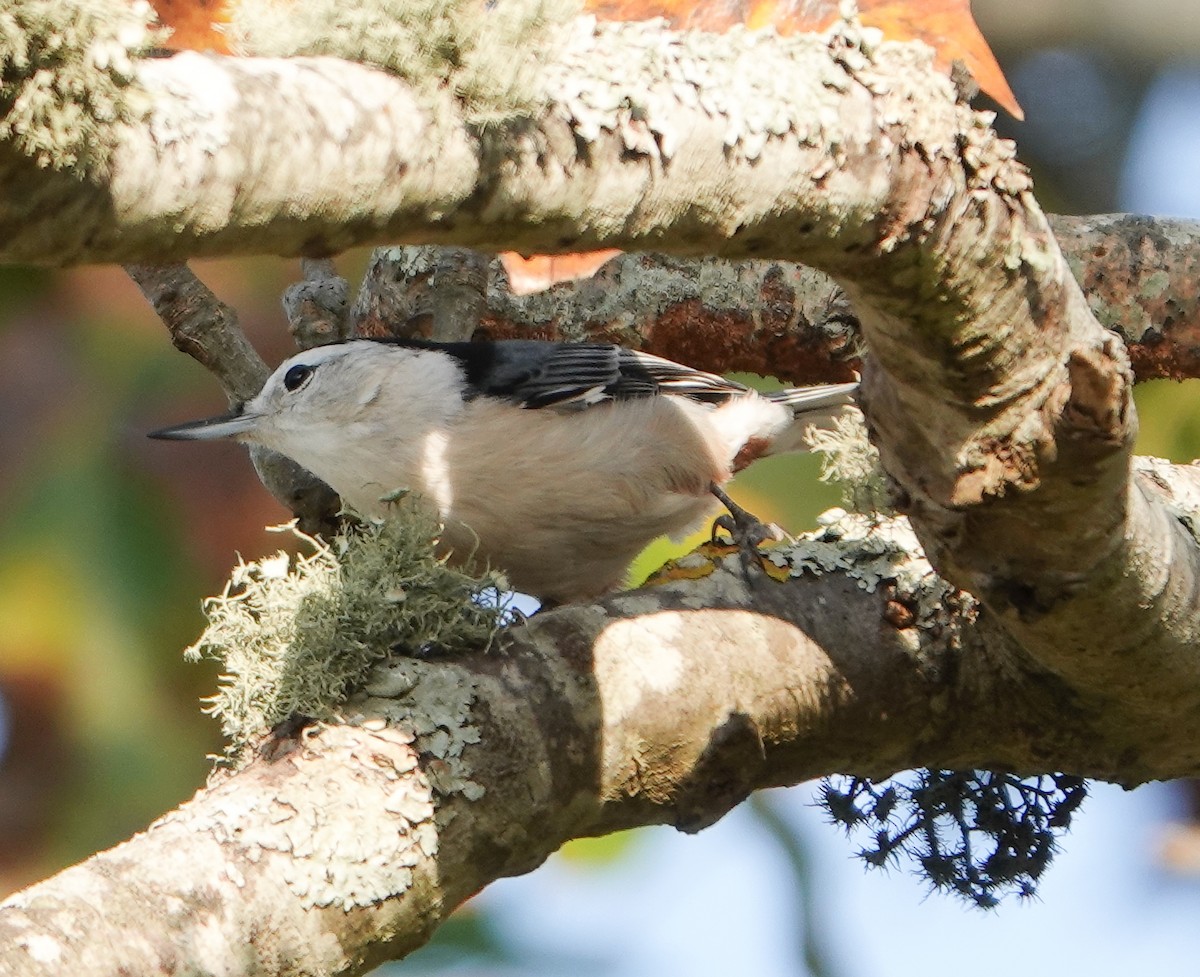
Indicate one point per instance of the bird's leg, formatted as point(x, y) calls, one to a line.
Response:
point(744, 528)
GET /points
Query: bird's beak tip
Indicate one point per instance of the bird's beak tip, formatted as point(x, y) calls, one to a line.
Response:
point(210, 429)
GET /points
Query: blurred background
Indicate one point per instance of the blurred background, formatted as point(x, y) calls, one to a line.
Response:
point(108, 542)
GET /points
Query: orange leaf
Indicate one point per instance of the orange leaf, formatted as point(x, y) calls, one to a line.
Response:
point(948, 27)
point(945, 25)
point(196, 25)
point(538, 272)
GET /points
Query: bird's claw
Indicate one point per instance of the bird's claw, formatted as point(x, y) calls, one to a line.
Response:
point(745, 529)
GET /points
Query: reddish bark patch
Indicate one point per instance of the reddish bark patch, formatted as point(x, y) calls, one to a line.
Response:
point(495, 327)
point(899, 615)
point(708, 339)
point(722, 341)
point(1173, 354)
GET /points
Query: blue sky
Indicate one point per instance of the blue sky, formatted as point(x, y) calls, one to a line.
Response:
point(722, 903)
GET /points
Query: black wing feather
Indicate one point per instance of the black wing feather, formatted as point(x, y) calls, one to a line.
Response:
point(573, 376)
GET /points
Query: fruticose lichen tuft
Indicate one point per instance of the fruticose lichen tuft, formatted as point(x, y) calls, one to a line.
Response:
point(296, 634)
point(65, 76)
point(850, 461)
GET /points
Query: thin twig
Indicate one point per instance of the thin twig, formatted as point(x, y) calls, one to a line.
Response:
point(316, 308)
point(202, 326)
point(207, 329)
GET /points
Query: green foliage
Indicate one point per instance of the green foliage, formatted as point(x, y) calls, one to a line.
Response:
point(979, 834)
point(64, 74)
point(464, 44)
point(294, 635)
point(602, 849)
point(1169, 419)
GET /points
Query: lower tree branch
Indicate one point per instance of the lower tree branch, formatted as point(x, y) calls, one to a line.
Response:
point(344, 844)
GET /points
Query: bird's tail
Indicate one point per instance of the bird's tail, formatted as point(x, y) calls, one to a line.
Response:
point(811, 407)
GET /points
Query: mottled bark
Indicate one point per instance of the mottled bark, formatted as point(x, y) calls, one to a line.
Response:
point(1141, 276)
point(781, 319)
point(341, 846)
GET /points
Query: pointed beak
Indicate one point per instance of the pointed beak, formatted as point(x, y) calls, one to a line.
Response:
point(231, 425)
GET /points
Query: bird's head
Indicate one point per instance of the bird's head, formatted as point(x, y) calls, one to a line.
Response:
point(332, 399)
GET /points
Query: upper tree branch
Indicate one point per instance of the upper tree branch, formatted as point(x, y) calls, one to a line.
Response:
point(640, 141)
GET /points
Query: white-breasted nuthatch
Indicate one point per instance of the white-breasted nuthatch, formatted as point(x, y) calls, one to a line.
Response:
point(554, 462)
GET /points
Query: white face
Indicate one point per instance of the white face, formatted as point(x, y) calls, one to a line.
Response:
point(351, 413)
point(315, 394)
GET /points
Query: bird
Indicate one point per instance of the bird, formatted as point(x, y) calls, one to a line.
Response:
point(553, 462)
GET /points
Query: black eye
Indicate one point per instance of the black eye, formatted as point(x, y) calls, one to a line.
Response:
point(295, 377)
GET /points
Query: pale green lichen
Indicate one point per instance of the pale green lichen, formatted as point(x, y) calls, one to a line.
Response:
point(464, 45)
point(297, 634)
point(850, 461)
point(65, 76)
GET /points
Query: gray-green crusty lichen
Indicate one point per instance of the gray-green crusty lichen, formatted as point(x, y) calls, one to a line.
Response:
point(296, 634)
point(65, 76)
point(754, 83)
point(465, 46)
point(874, 550)
point(356, 826)
point(431, 703)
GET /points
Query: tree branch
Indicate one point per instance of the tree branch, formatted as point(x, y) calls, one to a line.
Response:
point(785, 320)
point(636, 139)
point(344, 845)
point(207, 329)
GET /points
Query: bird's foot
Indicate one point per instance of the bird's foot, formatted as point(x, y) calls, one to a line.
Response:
point(745, 529)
